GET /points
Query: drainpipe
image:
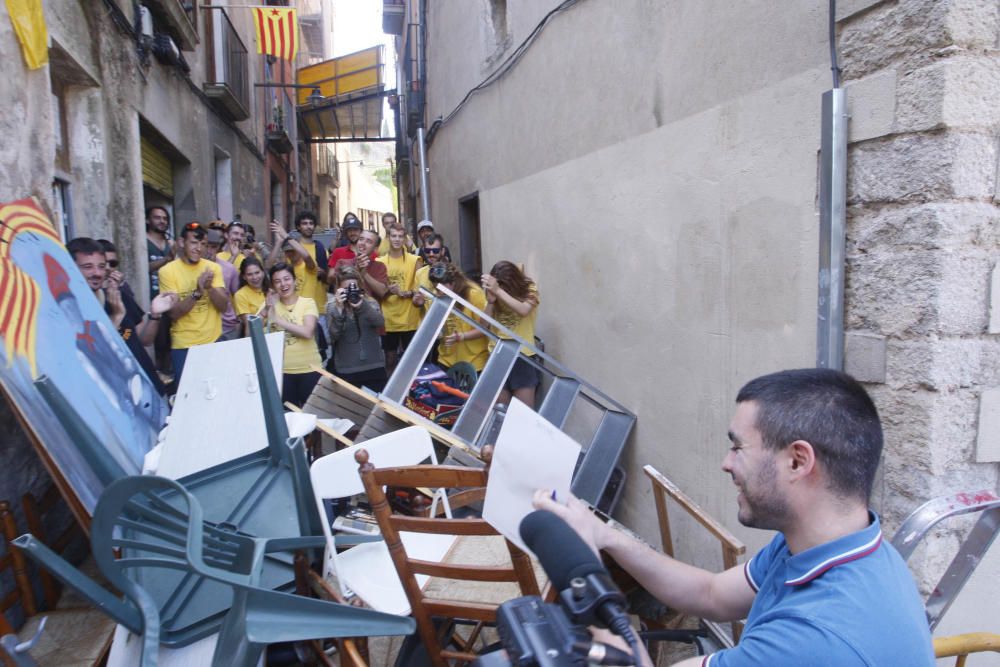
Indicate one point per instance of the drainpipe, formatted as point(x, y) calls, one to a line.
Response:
point(832, 217)
point(425, 210)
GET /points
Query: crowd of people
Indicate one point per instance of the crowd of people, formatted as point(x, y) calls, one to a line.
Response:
point(354, 307)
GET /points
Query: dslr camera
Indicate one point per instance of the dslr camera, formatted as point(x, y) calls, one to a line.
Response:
point(354, 294)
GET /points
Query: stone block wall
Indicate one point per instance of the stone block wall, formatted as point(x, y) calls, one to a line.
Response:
point(923, 80)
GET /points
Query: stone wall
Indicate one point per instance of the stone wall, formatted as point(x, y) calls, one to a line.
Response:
point(923, 81)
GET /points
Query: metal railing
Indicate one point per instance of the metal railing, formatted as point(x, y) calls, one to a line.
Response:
point(233, 70)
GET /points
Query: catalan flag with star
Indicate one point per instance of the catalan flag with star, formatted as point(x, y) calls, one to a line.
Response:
point(20, 295)
point(277, 31)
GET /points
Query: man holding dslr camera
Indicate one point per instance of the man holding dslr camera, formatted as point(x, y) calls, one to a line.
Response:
point(805, 445)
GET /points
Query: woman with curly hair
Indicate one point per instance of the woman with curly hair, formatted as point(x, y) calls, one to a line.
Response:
point(512, 300)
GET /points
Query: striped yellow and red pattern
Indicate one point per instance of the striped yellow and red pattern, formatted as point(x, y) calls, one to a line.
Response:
point(277, 31)
point(20, 295)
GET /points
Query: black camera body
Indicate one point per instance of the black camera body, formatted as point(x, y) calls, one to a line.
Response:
point(534, 633)
point(354, 294)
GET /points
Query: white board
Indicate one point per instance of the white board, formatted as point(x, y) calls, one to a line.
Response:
point(217, 413)
point(530, 454)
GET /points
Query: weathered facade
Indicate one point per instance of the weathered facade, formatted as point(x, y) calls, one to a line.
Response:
point(141, 104)
point(655, 165)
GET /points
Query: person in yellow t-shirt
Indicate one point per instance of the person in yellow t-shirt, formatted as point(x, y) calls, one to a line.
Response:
point(249, 298)
point(389, 219)
point(296, 256)
point(305, 224)
point(434, 248)
point(236, 247)
point(512, 300)
point(296, 316)
point(401, 312)
point(196, 318)
point(460, 341)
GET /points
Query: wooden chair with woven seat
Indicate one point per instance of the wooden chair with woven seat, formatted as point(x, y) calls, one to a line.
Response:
point(74, 635)
point(490, 583)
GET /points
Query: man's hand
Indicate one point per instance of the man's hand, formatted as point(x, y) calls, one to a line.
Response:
point(162, 303)
point(362, 262)
point(418, 299)
point(395, 289)
point(117, 277)
point(578, 515)
point(116, 308)
point(205, 279)
point(280, 233)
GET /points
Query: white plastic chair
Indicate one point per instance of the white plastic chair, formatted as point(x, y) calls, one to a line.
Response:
point(367, 569)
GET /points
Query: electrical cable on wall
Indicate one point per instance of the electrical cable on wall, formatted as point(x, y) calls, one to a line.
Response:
point(500, 71)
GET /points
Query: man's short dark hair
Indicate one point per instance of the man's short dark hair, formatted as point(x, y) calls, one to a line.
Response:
point(389, 214)
point(108, 246)
point(305, 215)
point(83, 245)
point(832, 412)
point(149, 211)
point(434, 238)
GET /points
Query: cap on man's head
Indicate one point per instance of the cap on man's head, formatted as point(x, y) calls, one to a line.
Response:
point(352, 223)
point(213, 236)
point(425, 224)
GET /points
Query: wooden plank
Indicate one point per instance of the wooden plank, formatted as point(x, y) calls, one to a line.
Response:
point(401, 413)
point(696, 512)
point(323, 427)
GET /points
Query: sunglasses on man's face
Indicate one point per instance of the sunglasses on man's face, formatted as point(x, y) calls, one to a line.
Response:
point(433, 251)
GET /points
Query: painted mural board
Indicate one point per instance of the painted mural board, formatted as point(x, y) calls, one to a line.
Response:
point(54, 331)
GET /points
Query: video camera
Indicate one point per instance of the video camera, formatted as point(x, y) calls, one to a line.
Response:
point(534, 633)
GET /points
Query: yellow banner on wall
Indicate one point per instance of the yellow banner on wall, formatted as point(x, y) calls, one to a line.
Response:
point(28, 20)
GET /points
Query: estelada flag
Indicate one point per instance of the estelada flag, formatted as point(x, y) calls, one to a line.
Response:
point(277, 31)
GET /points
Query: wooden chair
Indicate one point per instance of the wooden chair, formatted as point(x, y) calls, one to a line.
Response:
point(732, 548)
point(425, 607)
point(72, 635)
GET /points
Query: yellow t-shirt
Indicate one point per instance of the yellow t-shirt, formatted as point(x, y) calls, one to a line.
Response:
point(524, 327)
point(248, 301)
point(203, 323)
point(400, 313)
point(319, 293)
point(384, 246)
point(476, 351)
point(300, 353)
point(307, 284)
point(235, 261)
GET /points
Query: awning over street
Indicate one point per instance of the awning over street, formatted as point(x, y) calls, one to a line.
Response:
point(353, 88)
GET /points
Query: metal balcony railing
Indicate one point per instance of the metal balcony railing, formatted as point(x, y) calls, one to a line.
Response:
point(280, 121)
point(231, 73)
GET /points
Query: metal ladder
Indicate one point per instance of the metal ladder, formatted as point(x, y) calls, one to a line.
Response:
point(565, 392)
point(970, 552)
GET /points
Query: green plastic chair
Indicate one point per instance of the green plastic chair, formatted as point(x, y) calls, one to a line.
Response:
point(464, 375)
point(169, 555)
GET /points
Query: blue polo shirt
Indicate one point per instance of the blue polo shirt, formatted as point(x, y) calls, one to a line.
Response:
point(847, 602)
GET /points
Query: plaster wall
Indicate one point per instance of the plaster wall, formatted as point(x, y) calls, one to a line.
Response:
point(654, 168)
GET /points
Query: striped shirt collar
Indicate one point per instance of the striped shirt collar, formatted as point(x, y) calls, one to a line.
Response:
point(811, 563)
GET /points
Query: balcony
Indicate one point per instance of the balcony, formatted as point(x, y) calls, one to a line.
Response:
point(176, 16)
point(279, 128)
point(326, 169)
point(393, 14)
point(230, 88)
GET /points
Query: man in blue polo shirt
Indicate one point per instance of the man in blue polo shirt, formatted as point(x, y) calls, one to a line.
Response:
point(827, 590)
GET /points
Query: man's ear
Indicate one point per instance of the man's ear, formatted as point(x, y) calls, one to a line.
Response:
point(801, 458)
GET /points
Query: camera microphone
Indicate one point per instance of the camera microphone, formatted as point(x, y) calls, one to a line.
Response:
point(585, 587)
